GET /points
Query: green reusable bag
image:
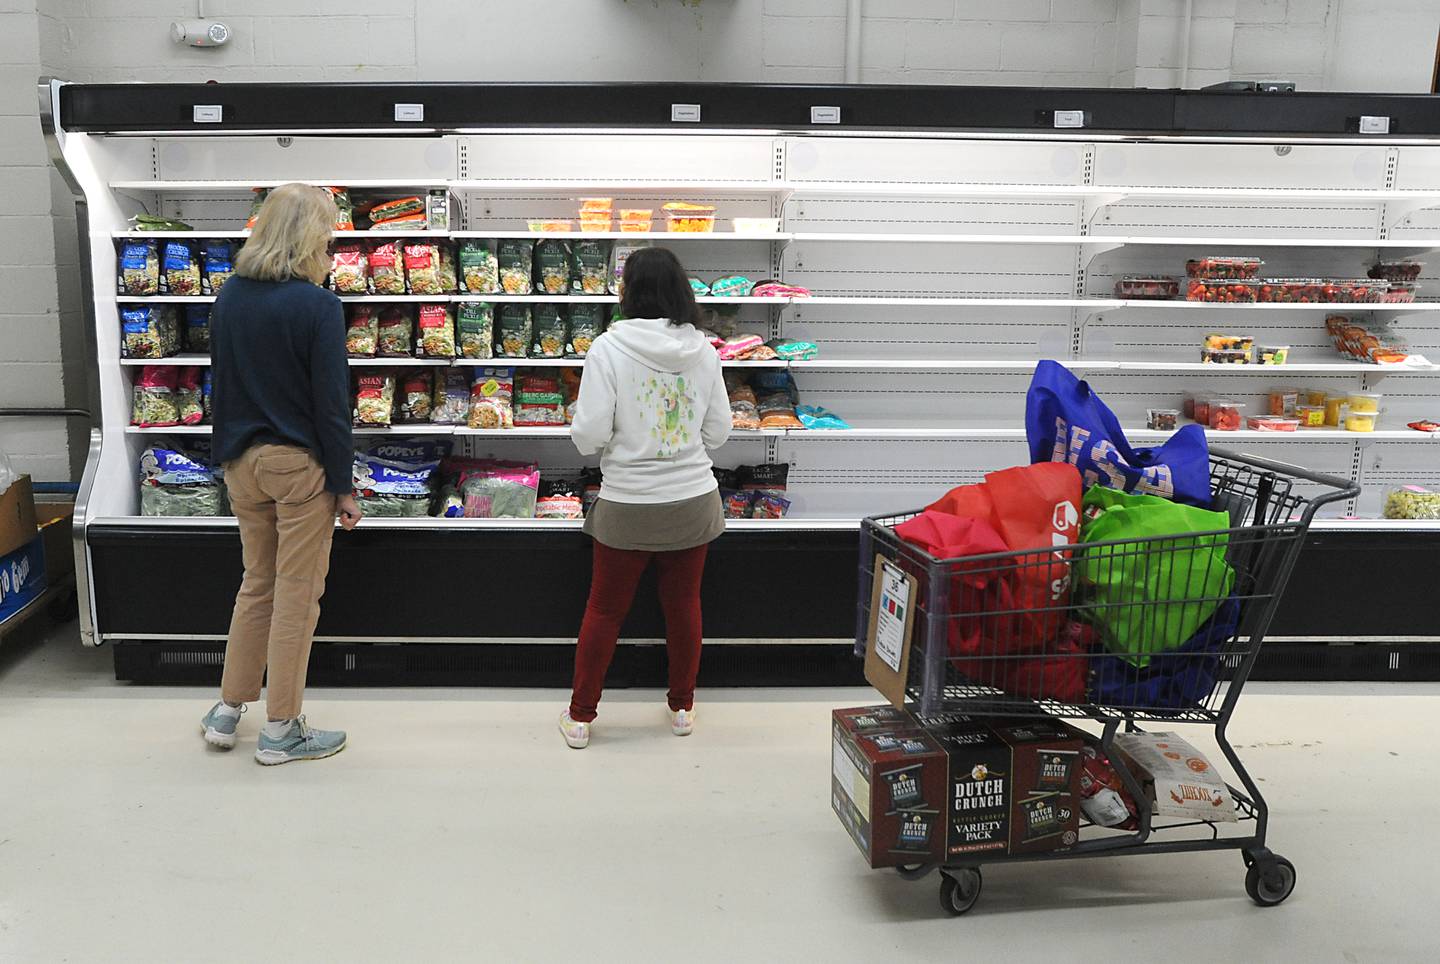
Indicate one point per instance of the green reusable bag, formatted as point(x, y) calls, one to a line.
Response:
point(1149, 598)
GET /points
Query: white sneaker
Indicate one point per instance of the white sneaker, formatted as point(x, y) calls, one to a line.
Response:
point(682, 722)
point(576, 734)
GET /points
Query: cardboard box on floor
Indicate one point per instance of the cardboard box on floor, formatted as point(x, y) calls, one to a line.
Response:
point(17, 516)
point(914, 790)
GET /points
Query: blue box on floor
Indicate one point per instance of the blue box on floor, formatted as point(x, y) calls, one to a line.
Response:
point(22, 577)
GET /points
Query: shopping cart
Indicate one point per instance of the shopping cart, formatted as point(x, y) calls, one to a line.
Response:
point(1270, 505)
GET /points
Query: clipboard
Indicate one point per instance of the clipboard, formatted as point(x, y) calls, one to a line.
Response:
point(892, 625)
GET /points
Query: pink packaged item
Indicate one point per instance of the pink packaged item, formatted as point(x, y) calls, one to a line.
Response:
point(735, 347)
point(497, 489)
point(774, 289)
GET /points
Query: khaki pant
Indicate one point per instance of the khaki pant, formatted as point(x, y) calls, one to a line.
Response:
point(287, 521)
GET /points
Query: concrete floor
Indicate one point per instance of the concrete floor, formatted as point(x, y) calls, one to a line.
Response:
point(457, 826)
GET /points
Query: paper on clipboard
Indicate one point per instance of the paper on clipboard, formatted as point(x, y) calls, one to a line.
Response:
point(892, 622)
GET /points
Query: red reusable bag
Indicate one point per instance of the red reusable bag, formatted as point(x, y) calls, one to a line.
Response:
point(974, 589)
point(1030, 507)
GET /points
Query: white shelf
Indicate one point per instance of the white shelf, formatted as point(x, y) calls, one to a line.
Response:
point(898, 189)
point(400, 428)
point(375, 299)
point(172, 430)
point(944, 302)
point(677, 188)
point(1133, 434)
point(1335, 306)
point(629, 235)
point(1114, 241)
point(165, 299)
point(233, 185)
point(240, 234)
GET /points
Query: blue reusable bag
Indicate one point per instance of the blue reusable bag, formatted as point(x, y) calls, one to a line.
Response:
point(1065, 421)
point(1172, 681)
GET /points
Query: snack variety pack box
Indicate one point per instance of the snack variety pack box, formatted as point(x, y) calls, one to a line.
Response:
point(931, 789)
point(1181, 782)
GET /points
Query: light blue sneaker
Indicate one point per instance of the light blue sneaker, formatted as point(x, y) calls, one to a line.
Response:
point(300, 742)
point(219, 728)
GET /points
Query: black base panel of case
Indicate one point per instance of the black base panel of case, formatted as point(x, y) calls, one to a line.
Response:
point(433, 585)
point(728, 665)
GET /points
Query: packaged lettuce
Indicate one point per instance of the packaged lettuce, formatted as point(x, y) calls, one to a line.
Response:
point(362, 331)
point(512, 331)
point(477, 330)
point(587, 322)
point(190, 395)
point(180, 269)
point(550, 332)
point(552, 266)
point(590, 268)
point(153, 397)
point(516, 257)
point(397, 335)
point(451, 404)
point(479, 271)
point(436, 332)
point(374, 399)
point(148, 331)
point(139, 268)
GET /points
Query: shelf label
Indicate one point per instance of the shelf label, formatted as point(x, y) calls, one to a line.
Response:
point(1069, 118)
point(208, 113)
point(1370, 124)
point(411, 113)
point(685, 113)
point(824, 115)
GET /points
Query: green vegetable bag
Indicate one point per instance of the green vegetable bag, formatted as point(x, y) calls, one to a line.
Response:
point(1150, 598)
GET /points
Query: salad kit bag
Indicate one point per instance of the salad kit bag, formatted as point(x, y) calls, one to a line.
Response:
point(1065, 421)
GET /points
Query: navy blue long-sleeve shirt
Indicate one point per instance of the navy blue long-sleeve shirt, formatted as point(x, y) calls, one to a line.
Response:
point(280, 375)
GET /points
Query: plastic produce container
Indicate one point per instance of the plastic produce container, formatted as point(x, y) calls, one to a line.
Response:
point(1144, 287)
point(1403, 271)
point(1321, 291)
point(552, 225)
point(1283, 401)
point(1272, 423)
point(1272, 354)
point(1232, 291)
point(1226, 415)
point(1359, 402)
point(1312, 396)
point(1310, 416)
point(1227, 267)
point(1225, 356)
point(1335, 409)
point(636, 220)
point(689, 218)
point(1361, 421)
point(1162, 419)
point(1397, 293)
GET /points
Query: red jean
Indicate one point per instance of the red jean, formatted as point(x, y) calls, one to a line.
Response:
point(612, 590)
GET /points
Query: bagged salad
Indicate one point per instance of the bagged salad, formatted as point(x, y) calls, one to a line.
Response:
point(479, 271)
point(396, 339)
point(374, 399)
point(190, 395)
point(387, 269)
point(149, 331)
point(422, 268)
point(153, 399)
point(390, 488)
point(179, 269)
point(417, 388)
point(512, 331)
point(451, 404)
point(539, 401)
point(178, 483)
point(491, 399)
point(219, 264)
point(515, 257)
point(559, 499)
point(477, 330)
point(139, 268)
point(590, 268)
point(552, 266)
point(449, 277)
point(436, 328)
point(550, 333)
point(495, 489)
point(207, 386)
point(362, 331)
point(197, 328)
point(349, 269)
point(587, 322)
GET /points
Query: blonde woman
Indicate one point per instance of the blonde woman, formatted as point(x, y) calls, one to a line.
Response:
point(281, 400)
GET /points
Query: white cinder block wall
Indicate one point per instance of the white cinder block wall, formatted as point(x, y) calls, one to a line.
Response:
point(1384, 45)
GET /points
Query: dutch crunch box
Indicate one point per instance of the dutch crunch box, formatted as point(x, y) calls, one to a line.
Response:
point(914, 789)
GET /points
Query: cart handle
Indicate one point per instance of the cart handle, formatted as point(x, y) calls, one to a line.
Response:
point(1347, 489)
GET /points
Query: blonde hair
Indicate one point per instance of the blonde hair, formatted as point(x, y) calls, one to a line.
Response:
point(291, 237)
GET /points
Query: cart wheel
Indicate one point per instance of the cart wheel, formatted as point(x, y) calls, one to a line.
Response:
point(1270, 880)
point(960, 891)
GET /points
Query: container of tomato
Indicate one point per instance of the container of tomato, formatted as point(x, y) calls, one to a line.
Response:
point(1320, 290)
point(1396, 293)
point(1403, 272)
point(1226, 416)
point(1229, 291)
point(1228, 267)
point(1133, 286)
point(1272, 423)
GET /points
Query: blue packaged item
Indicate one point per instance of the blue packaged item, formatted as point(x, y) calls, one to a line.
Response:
point(197, 328)
point(1065, 421)
point(412, 451)
point(139, 268)
point(206, 388)
point(180, 269)
point(700, 288)
point(815, 417)
point(219, 264)
point(1173, 681)
point(164, 466)
point(385, 477)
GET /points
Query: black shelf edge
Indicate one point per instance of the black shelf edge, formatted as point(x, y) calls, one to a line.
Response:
point(339, 107)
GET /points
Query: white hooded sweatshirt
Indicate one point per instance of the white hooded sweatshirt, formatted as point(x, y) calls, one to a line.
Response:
point(652, 400)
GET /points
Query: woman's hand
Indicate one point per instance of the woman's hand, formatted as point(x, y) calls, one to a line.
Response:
point(349, 511)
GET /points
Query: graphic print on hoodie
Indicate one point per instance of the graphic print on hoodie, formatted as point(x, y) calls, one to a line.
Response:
point(651, 402)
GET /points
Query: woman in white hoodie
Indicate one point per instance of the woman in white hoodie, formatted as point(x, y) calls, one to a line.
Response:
point(651, 403)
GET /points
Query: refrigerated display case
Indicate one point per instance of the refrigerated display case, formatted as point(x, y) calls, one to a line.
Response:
point(948, 238)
